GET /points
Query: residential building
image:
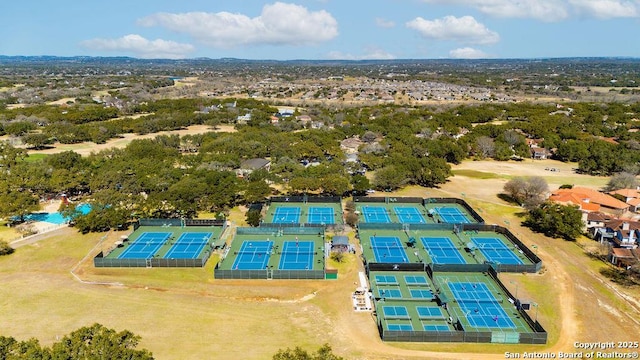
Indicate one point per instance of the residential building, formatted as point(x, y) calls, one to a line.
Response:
point(589, 200)
point(251, 165)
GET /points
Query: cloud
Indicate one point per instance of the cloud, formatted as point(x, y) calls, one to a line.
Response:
point(463, 29)
point(550, 10)
point(606, 9)
point(278, 24)
point(141, 47)
point(372, 53)
point(380, 22)
point(467, 53)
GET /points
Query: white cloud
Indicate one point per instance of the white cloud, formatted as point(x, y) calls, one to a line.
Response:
point(278, 24)
point(141, 47)
point(550, 10)
point(380, 22)
point(463, 29)
point(370, 54)
point(467, 53)
point(606, 9)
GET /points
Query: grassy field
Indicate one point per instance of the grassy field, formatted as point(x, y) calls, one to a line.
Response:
point(176, 311)
point(8, 233)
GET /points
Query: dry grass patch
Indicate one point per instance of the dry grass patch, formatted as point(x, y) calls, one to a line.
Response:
point(176, 311)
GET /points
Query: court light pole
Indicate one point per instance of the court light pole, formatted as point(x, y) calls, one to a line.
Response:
point(535, 248)
point(536, 306)
point(516, 284)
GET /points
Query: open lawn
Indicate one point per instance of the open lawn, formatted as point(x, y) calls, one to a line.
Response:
point(6, 233)
point(185, 313)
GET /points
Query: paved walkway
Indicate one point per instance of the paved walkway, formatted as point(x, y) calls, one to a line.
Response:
point(47, 232)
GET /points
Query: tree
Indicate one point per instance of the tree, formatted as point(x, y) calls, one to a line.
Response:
point(556, 220)
point(337, 256)
point(389, 177)
point(360, 184)
point(256, 191)
point(369, 137)
point(485, 147)
point(10, 156)
point(91, 343)
point(622, 180)
point(529, 191)
point(323, 353)
point(351, 218)
point(101, 218)
point(37, 140)
point(253, 217)
point(99, 342)
point(17, 203)
point(5, 248)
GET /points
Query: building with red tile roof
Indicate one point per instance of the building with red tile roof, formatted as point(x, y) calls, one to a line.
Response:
point(589, 200)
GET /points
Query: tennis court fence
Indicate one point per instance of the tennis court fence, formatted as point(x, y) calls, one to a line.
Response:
point(291, 225)
point(268, 274)
point(388, 199)
point(374, 266)
point(179, 222)
point(474, 268)
point(305, 199)
point(101, 261)
point(275, 229)
point(380, 226)
point(460, 202)
point(530, 268)
point(463, 337)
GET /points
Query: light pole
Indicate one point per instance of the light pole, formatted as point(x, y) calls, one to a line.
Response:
point(516, 284)
point(536, 316)
point(535, 248)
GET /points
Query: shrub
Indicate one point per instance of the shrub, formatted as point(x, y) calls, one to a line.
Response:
point(5, 248)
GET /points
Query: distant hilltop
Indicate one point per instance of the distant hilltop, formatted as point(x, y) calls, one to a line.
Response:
point(117, 59)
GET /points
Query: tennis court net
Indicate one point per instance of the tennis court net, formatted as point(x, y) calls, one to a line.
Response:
point(300, 252)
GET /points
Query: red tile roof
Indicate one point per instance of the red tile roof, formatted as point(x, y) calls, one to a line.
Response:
point(577, 195)
point(622, 253)
point(628, 193)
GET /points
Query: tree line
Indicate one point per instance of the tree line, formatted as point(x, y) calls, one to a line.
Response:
point(600, 137)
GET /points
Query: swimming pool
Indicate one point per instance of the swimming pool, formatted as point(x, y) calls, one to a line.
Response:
point(56, 217)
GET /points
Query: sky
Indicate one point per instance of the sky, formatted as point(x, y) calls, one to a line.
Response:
point(321, 29)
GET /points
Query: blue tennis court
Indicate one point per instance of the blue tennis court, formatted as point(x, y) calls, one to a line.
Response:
point(429, 312)
point(400, 327)
point(321, 215)
point(479, 305)
point(419, 280)
point(388, 249)
point(297, 255)
point(390, 293)
point(421, 294)
point(395, 312)
point(428, 327)
point(188, 246)
point(452, 215)
point(287, 215)
point(496, 251)
point(253, 255)
point(386, 280)
point(442, 250)
point(375, 214)
point(145, 246)
point(409, 215)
